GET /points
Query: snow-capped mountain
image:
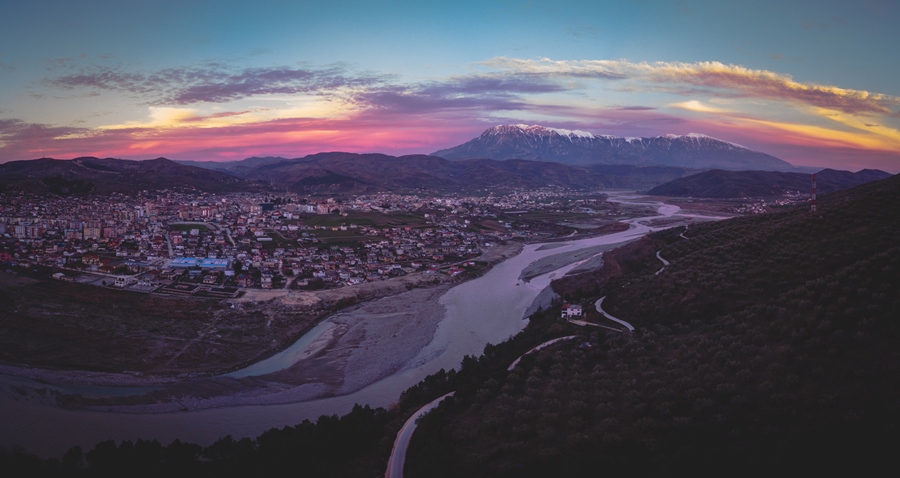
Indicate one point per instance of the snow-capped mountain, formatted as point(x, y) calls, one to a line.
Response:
point(579, 147)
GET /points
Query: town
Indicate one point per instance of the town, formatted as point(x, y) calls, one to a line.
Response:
point(218, 245)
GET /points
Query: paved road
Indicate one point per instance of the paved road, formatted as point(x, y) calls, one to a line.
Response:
point(665, 262)
point(535, 349)
point(605, 314)
point(401, 443)
point(398, 453)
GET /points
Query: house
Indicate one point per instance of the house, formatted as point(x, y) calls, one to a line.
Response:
point(570, 311)
point(123, 281)
point(90, 259)
point(245, 280)
point(266, 280)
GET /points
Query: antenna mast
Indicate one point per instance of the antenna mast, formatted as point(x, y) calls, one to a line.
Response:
point(812, 207)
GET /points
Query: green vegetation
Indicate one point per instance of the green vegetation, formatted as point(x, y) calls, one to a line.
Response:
point(188, 227)
point(331, 446)
point(67, 187)
point(350, 235)
point(548, 216)
point(372, 219)
point(280, 240)
point(770, 344)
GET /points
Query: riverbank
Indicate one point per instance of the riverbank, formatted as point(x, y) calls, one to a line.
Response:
point(554, 262)
point(352, 354)
point(486, 310)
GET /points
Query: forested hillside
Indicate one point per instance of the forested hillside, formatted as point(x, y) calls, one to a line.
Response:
point(770, 344)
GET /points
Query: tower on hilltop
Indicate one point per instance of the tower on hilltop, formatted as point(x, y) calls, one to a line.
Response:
point(812, 206)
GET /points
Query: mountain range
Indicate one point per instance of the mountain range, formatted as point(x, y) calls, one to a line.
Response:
point(351, 172)
point(540, 143)
point(768, 342)
point(319, 173)
point(511, 156)
point(739, 184)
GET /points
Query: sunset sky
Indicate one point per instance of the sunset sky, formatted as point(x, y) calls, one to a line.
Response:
point(812, 82)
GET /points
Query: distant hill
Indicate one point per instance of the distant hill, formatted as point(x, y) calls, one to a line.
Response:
point(335, 172)
point(93, 175)
point(739, 184)
point(540, 143)
point(235, 168)
point(351, 172)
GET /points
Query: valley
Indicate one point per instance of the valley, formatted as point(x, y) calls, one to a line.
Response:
point(303, 381)
point(197, 312)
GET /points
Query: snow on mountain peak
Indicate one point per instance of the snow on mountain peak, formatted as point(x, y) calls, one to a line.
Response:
point(699, 136)
point(572, 134)
point(576, 133)
point(562, 132)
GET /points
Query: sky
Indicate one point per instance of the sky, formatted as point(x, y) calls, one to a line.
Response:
point(811, 82)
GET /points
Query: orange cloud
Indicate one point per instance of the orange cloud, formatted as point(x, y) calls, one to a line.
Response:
point(829, 137)
point(284, 137)
point(694, 105)
point(724, 78)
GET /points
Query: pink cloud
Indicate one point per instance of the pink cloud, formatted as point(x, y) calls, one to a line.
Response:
point(414, 134)
point(285, 137)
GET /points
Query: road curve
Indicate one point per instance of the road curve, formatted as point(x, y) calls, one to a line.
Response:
point(606, 314)
point(665, 262)
point(401, 443)
point(535, 349)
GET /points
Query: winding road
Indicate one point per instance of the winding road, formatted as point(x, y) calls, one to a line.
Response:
point(545, 344)
point(401, 443)
point(606, 314)
point(665, 262)
point(404, 436)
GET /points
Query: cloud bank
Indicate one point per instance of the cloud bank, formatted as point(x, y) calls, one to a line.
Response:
point(217, 110)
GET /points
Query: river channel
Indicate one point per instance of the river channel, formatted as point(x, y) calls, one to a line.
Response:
point(485, 310)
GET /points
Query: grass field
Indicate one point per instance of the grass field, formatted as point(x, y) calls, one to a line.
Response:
point(548, 216)
point(350, 235)
point(188, 227)
point(371, 219)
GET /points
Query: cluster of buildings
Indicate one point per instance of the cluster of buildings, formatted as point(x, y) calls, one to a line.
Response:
point(185, 243)
point(764, 205)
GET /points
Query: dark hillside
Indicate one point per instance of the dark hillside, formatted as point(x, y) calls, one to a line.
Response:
point(740, 184)
point(103, 176)
point(770, 345)
point(349, 172)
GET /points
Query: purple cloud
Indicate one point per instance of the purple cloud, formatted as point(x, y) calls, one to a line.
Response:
point(485, 84)
point(216, 82)
point(17, 130)
point(479, 93)
point(411, 101)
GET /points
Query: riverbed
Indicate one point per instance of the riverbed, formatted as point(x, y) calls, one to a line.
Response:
point(367, 355)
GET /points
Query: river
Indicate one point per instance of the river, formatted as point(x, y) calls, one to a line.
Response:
point(485, 310)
